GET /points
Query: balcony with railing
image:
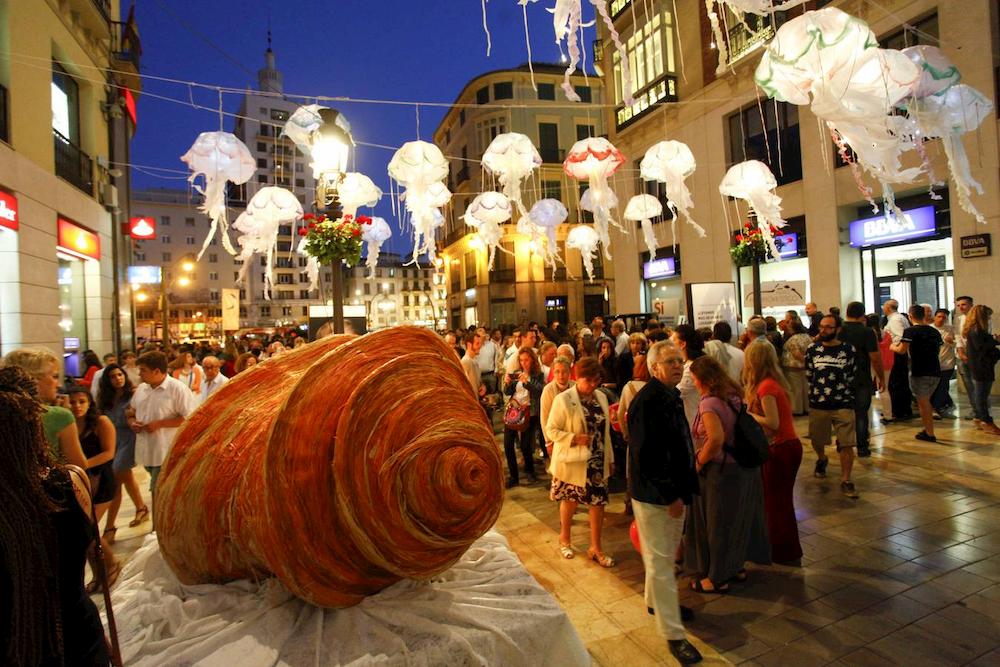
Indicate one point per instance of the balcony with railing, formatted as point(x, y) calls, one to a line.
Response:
point(72, 164)
point(103, 6)
point(4, 115)
point(746, 37)
point(125, 44)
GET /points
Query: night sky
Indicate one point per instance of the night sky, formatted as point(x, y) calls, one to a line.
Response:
point(409, 50)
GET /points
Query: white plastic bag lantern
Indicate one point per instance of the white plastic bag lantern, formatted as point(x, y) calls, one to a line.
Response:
point(584, 239)
point(753, 181)
point(218, 157)
point(486, 213)
point(512, 157)
point(267, 210)
point(642, 209)
point(420, 167)
point(937, 72)
point(357, 190)
point(545, 217)
point(374, 235)
point(671, 162)
point(302, 126)
point(594, 160)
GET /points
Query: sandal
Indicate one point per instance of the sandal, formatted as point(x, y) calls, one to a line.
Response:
point(600, 558)
point(566, 550)
point(740, 576)
point(697, 585)
point(141, 515)
point(109, 534)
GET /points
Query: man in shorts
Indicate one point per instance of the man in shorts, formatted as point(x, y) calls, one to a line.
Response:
point(830, 371)
point(923, 344)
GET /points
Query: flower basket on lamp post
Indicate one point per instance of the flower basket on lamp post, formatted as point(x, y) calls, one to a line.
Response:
point(750, 250)
point(332, 241)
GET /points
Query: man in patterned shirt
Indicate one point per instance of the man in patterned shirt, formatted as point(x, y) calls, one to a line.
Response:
point(830, 368)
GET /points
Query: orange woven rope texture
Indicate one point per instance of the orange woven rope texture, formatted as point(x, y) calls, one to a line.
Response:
point(340, 467)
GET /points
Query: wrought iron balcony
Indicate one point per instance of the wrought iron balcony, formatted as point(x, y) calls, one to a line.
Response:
point(103, 6)
point(125, 44)
point(72, 164)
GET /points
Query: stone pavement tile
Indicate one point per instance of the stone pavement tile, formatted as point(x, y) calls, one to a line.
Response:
point(853, 598)
point(990, 542)
point(964, 582)
point(991, 659)
point(993, 592)
point(983, 605)
point(812, 616)
point(899, 550)
point(654, 644)
point(941, 562)
point(621, 650)
point(819, 648)
point(960, 620)
point(746, 653)
point(966, 552)
point(914, 647)
point(989, 568)
point(898, 610)
point(863, 657)
point(911, 573)
point(934, 594)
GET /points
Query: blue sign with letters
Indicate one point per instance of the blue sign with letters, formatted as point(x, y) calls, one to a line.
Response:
point(144, 275)
point(916, 223)
point(664, 267)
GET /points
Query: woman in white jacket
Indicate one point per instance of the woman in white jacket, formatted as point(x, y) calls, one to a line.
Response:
point(579, 428)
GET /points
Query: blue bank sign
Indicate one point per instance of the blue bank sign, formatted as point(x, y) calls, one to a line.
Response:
point(144, 275)
point(916, 223)
point(659, 268)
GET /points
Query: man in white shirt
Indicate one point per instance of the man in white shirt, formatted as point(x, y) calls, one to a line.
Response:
point(512, 366)
point(214, 379)
point(95, 383)
point(487, 359)
point(899, 377)
point(159, 406)
point(512, 349)
point(720, 349)
point(941, 400)
point(963, 305)
point(470, 363)
point(619, 336)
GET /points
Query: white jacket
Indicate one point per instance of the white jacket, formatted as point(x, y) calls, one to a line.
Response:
point(566, 420)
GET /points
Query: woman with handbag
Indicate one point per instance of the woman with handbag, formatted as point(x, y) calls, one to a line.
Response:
point(48, 619)
point(561, 371)
point(726, 525)
point(581, 463)
point(521, 418)
point(769, 404)
point(983, 353)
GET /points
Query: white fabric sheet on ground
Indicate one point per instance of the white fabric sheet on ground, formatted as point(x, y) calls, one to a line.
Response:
point(485, 610)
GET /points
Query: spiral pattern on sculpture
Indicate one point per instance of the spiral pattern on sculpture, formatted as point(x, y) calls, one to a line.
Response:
point(341, 468)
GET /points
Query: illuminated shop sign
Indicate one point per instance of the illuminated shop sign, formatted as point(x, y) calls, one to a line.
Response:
point(144, 275)
point(916, 223)
point(659, 268)
point(790, 245)
point(142, 229)
point(77, 241)
point(8, 210)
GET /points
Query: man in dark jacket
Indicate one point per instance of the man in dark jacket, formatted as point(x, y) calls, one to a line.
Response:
point(661, 481)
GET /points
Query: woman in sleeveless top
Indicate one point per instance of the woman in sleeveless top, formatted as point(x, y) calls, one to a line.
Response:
point(45, 616)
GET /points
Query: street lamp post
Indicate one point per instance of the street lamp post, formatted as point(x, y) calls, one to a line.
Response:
point(187, 266)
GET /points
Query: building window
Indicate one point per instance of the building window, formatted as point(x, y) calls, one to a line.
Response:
point(213, 295)
point(213, 275)
point(584, 131)
point(470, 269)
point(922, 32)
point(552, 190)
point(164, 239)
point(213, 258)
point(483, 95)
point(279, 115)
point(265, 311)
point(305, 311)
point(584, 93)
point(547, 91)
point(503, 90)
point(298, 167)
point(262, 163)
point(285, 279)
point(300, 182)
point(189, 240)
point(461, 118)
point(548, 142)
point(65, 104)
point(303, 294)
point(368, 289)
point(140, 257)
point(504, 264)
point(261, 178)
point(286, 294)
point(261, 147)
point(189, 222)
point(166, 257)
point(752, 139)
point(650, 53)
point(164, 221)
point(488, 129)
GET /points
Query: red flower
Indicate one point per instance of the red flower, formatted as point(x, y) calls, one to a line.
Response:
point(364, 220)
point(313, 225)
point(303, 231)
point(739, 238)
point(309, 216)
point(347, 217)
point(357, 232)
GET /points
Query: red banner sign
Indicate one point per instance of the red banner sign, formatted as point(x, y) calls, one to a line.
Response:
point(142, 229)
point(8, 210)
point(78, 241)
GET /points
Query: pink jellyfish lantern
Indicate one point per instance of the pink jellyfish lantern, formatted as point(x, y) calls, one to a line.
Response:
point(374, 235)
point(357, 190)
point(671, 163)
point(641, 209)
point(584, 239)
point(511, 157)
point(218, 157)
point(547, 215)
point(486, 213)
point(268, 209)
point(420, 168)
point(753, 181)
point(594, 160)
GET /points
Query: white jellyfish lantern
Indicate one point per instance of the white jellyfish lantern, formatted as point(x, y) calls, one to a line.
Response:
point(266, 211)
point(486, 213)
point(357, 190)
point(753, 181)
point(642, 209)
point(584, 239)
point(419, 167)
point(374, 235)
point(594, 160)
point(302, 126)
point(937, 72)
point(671, 163)
point(218, 157)
point(548, 214)
point(511, 157)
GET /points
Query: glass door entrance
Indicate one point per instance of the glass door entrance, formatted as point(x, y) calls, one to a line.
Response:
point(909, 273)
point(937, 289)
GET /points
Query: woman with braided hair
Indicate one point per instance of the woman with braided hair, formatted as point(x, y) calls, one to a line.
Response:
point(45, 530)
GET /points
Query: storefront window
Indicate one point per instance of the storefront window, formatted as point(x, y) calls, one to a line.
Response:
point(784, 286)
point(662, 288)
point(72, 312)
point(914, 273)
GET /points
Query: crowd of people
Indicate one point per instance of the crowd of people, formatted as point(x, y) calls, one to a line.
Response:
point(661, 407)
point(663, 410)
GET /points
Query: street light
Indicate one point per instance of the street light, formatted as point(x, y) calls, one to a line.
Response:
point(187, 266)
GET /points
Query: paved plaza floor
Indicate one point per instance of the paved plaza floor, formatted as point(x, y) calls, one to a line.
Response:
point(908, 574)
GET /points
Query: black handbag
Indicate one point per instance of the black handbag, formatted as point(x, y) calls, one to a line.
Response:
point(750, 447)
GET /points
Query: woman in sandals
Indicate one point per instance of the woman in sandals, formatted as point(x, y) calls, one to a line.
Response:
point(97, 437)
point(47, 618)
point(581, 459)
point(726, 525)
point(113, 398)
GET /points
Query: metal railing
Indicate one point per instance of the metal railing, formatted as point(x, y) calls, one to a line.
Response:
point(72, 164)
point(4, 115)
point(103, 6)
point(125, 44)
